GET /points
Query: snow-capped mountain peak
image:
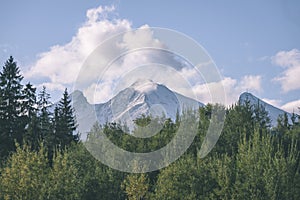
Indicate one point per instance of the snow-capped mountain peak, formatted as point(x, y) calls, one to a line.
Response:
point(142, 97)
point(144, 85)
point(145, 97)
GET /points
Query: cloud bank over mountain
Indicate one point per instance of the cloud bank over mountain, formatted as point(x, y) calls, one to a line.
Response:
point(60, 66)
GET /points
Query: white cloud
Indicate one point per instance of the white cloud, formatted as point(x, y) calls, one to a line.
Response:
point(60, 66)
point(232, 87)
point(251, 82)
point(62, 63)
point(290, 61)
point(292, 106)
point(95, 14)
point(88, 53)
point(98, 92)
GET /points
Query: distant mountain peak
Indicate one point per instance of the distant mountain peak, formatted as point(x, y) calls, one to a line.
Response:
point(273, 111)
point(148, 97)
point(78, 96)
point(77, 93)
point(143, 97)
point(144, 85)
point(246, 94)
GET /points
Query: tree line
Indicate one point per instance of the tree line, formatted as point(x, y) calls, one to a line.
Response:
point(251, 159)
point(27, 117)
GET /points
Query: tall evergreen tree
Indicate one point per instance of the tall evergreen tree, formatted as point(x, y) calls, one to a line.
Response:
point(44, 113)
point(261, 117)
point(283, 123)
point(64, 120)
point(10, 108)
point(29, 114)
point(33, 133)
point(29, 104)
point(45, 126)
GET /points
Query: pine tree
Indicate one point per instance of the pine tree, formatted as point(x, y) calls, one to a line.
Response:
point(29, 104)
point(282, 124)
point(10, 108)
point(45, 127)
point(64, 120)
point(33, 133)
point(29, 114)
point(239, 119)
point(56, 127)
point(44, 114)
point(261, 117)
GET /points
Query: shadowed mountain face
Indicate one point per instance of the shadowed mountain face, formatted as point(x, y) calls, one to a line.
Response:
point(143, 97)
point(273, 112)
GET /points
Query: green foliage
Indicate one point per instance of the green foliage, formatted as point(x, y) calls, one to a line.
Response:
point(136, 186)
point(11, 127)
point(29, 102)
point(64, 180)
point(93, 179)
point(143, 120)
point(64, 122)
point(25, 175)
point(44, 115)
point(262, 169)
point(239, 121)
point(178, 181)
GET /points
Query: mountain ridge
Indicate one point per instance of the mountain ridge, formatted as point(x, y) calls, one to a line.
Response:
point(148, 98)
point(142, 97)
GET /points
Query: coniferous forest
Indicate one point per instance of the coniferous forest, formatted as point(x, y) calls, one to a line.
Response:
point(41, 156)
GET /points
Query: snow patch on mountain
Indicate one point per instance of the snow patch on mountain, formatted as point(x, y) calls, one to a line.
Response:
point(148, 98)
point(142, 97)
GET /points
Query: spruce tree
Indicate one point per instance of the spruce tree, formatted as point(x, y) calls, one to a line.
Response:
point(33, 133)
point(29, 104)
point(45, 127)
point(29, 114)
point(44, 113)
point(261, 117)
point(10, 107)
point(64, 120)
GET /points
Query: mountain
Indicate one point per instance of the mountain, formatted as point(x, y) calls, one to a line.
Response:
point(273, 111)
point(148, 98)
point(85, 113)
point(142, 97)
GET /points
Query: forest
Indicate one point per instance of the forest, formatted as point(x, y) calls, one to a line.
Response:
point(42, 157)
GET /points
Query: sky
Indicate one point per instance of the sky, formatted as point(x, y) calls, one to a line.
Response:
point(254, 44)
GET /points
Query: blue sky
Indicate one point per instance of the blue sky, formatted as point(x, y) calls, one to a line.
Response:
point(255, 44)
